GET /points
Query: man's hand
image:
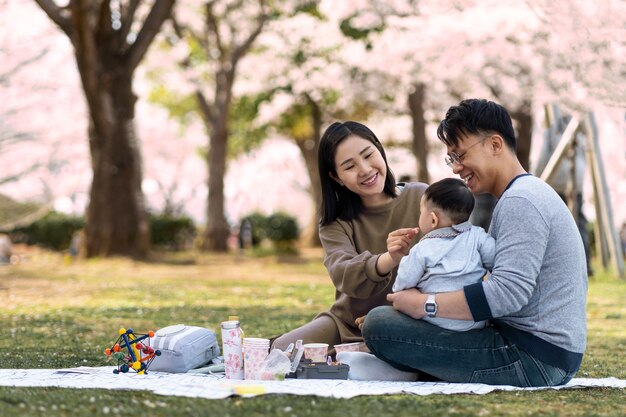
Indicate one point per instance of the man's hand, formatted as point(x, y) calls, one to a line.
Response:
point(409, 302)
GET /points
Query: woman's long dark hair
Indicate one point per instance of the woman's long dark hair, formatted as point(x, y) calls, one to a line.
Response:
point(338, 201)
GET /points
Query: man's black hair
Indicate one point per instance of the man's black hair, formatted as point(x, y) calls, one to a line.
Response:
point(479, 117)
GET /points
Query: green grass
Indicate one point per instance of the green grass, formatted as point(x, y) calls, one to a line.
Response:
point(55, 313)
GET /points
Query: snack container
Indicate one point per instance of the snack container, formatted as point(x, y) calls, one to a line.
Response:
point(319, 370)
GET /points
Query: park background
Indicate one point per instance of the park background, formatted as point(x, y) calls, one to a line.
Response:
point(294, 68)
point(396, 65)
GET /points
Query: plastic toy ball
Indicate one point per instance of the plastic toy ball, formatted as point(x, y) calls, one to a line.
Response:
point(132, 351)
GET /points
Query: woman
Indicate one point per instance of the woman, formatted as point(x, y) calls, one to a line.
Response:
point(367, 225)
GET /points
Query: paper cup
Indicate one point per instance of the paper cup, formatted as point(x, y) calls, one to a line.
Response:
point(316, 352)
point(347, 347)
point(255, 351)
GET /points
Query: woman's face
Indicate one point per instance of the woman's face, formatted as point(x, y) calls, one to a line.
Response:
point(361, 168)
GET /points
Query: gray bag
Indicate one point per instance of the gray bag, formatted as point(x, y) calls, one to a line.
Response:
point(183, 348)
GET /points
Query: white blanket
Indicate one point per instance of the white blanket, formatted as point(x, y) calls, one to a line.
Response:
point(216, 387)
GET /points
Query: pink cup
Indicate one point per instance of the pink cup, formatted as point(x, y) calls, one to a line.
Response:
point(348, 347)
point(316, 352)
point(255, 351)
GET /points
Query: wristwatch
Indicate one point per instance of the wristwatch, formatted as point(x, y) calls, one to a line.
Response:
point(430, 307)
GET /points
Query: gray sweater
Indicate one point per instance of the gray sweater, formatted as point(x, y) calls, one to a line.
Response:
point(538, 287)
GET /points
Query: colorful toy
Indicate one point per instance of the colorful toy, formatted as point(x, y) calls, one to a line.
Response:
point(131, 352)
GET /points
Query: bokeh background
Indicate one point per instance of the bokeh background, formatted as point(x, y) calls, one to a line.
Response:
point(394, 65)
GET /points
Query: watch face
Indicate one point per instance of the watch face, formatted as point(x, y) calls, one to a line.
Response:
point(430, 308)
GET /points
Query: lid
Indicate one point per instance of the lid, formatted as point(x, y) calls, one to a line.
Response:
point(232, 324)
point(256, 341)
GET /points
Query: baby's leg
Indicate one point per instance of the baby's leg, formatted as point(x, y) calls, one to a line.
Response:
point(367, 367)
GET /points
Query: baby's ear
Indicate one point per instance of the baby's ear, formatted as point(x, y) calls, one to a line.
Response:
point(434, 219)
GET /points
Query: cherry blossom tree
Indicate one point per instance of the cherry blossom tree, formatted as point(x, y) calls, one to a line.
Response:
point(310, 86)
point(11, 138)
point(583, 52)
point(437, 53)
point(329, 60)
point(209, 40)
point(110, 38)
point(40, 151)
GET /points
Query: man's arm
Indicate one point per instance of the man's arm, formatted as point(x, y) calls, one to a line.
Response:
point(450, 305)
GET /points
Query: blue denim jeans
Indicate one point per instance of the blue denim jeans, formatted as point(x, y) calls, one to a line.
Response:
point(477, 356)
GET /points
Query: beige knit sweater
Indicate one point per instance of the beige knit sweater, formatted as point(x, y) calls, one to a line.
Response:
point(351, 251)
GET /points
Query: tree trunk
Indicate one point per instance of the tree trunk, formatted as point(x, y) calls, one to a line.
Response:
point(419, 144)
point(217, 229)
point(523, 117)
point(309, 149)
point(117, 222)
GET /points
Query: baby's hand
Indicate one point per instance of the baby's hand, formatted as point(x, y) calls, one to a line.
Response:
point(359, 322)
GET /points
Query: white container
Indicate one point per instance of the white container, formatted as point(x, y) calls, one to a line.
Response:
point(232, 349)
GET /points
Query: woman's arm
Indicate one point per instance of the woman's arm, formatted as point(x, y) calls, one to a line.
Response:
point(360, 275)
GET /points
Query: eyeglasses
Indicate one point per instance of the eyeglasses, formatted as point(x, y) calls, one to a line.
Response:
point(453, 158)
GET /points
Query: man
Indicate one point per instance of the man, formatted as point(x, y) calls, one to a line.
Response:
point(535, 296)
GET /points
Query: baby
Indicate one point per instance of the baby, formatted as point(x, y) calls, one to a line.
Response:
point(452, 254)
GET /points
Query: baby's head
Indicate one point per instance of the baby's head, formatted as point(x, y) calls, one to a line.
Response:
point(445, 203)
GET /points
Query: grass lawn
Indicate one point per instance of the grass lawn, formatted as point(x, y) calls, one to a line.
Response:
point(54, 314)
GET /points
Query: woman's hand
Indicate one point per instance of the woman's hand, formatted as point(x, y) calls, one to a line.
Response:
point(409, 302)
point(399, 241)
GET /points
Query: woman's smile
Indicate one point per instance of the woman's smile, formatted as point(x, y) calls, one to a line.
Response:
point(362, 169)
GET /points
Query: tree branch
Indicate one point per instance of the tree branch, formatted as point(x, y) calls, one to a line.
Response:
point(243, 48)
point(233, 6)
point(205, 108)
point(11, 138)
point(127, 17)
point(19, 175)
point(87, 58)
point(158, 14)
point(6, 76)
point(55, 13)
point(212, 27)
point(105, 25)
point(180, 30)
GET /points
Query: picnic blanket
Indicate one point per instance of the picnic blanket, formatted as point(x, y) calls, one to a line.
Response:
point(217, 387)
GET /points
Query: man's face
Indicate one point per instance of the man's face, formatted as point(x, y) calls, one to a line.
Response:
point(471, 162)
